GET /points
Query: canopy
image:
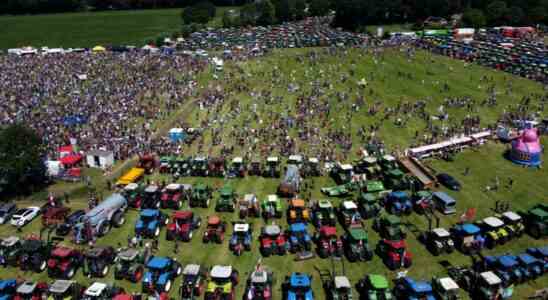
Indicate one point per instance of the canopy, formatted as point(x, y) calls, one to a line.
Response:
point(71, 159)
point(98, 49)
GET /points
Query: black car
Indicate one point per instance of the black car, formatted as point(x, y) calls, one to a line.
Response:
point(6, 211)
point(70, 221)
point(448, 181)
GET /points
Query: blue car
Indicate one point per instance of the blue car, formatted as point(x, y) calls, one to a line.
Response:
point(532, 267)
point(150, 222)
point(298, 287)
point(7, 289)
point(467, 238)
point(409, 289)
point(506, 267)
point(160, 275)
point(299, 239)
point(398, 203)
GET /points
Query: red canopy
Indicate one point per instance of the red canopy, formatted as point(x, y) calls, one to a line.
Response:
point(66, 149)
point(71, 159)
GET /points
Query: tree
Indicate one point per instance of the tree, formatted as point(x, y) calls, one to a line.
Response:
point(266, 12)
point(300, 9)
point(21, 160)
point(515, 15)
point(319, 7)
point(473, 17)
point(285, 10)
point(495, 11)
point(200, 13)
point(231, 18)
point(249, 14)
point(537, 14)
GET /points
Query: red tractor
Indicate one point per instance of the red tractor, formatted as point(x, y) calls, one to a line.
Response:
point(183, 225)
point(328, 243)
point(273, 241)
point(215, 231)
point(29, 290)
point(54, 215)
point(394, 253)
point(147, 162)
point(172, 196)
point(64, 262)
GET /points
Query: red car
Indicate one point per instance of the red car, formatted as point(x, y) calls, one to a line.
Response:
point(183, 225)
point(328, 243)
point(394, 254)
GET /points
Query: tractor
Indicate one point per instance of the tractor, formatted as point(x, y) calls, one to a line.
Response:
point(255, 168)
point(259, 284)
point(368, 201)
point(172, 196)
point(201, 196)
point(273, 241)
point(53, 216)
point(249, 206)
point(271, 207)
point(506, 267)
point(356, 244)
point(396, 179)
point(373, 287)
point(129, 265)
point(337, 191)
point(272, 167)
point(467, 238)
point(536, 221)
point(29, 290)
point(222, 283)
point(7, 288)
point(407, 288)
point(97, 261)
point(513, 223)
point(64, 262)
point(193, 282)
point(151, 198)
point(398, 203)
point(101, 291)
point(369, 166)
point(296, 160)
point(394, 253)
point(422, 201)
point(35, 252)
point(532, 267)
point(311, 168)
point(291, 183)
point(166, 164)
point(217, 167)
point(10, 251)
point(241, 239)
point(66, 290)
point(389, 227)
point(437, 240)
point(298, 286)
point(299, 239)
point(488, 286)
point(147, 162)
point(199, 166)
point(297, 212)
point(338, 287)
point(328, 244)
point(227, 200)
point(323, 213)
point(71, 220)
point(342, 173)
point(150, 223)
point(494, 232)
point(349, 214)
point(445, 288)
point(133, 192)
point(237, 168)
point(183, 225)
point(215, 230)
point(182, 167)
point(540, 253)
point(161, 273)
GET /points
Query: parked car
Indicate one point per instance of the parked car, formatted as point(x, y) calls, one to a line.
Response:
point(448, 181)
point(6, 211)
point(444, 203)
point(24, 216)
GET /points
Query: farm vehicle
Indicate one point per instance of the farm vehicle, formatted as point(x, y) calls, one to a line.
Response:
point(183, 225)
point(291, 183)
point(394, 253)
point(323, 213)
point(215, 230)
point(237, 168)
point(161, 274)
point(63, 262)
point(98, 221)
point(273, 241)
point(130, 265)
point(249, 206)
point(97, 261)
point(536, 220)
point(271, 207)
point(272, 167)
point(221, 284)
point(201, 196)
point(150, 223)
point(373, 287)
point(241, 239)
point(193, 282)
point(259, 284)
point(356, 244)
point(227, 200)
point(327, 242)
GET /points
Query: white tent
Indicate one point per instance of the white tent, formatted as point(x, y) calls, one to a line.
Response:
point(53, 167)
point(100, 159)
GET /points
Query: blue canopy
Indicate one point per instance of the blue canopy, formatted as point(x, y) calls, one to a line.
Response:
point(299, 280)
point(418, 286)
point(158, 262)
point(470, 228)
point(150, 213)
point(298, 227)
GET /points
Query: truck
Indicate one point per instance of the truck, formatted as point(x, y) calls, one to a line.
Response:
point(99, 220)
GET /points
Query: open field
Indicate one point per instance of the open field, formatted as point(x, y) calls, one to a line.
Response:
point(390, 79)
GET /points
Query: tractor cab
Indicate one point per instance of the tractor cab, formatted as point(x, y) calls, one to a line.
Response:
point(398, 203)
point(349, 214)
point(249, 206)
point(506, 267)
point(370, 166)
point(64, 290)
point(150, 222)
point(467, 237)
point(299, 239)
point(407, 288)
point(299, 286)
point(64, 262)
point(10, 251)
point(389, 227)
point(394, 253)
point(161, 274)
point(422, 201)
point(445, 288)
point(375, 286)
point(259, 284)
point(343, 288)
point(241, 238)
point(183, 225)
point(215, 230)
point(324, 213)
point(388, 162)
point(255, 168)
point(489, 286)
point(133, 193)
point(98, 260)
point(438, 241)
point(536, 221)
point(272, 168)
point(199, 166)
point(342, 173)
point(29, 290)
point(271, 207)
point(151, 197)
point(237, 167)
point(272, 241)
point(98, 291)
point(222, 282)
point(201, 196)
point(494, 231)
point(312, 167)
point(513, 223)
point(444, 203)
point(7, 288)
point(328, 242)
point(298, 211)
point(227, 199)
point(172, 196)
point(217, 166)
point(532, 267)
point(296, 160)
point(129, 265)
point(192, 285)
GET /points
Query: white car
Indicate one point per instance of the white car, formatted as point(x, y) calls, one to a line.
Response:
point(24, 216)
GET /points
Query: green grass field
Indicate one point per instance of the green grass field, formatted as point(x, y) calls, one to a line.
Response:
point(427, 75)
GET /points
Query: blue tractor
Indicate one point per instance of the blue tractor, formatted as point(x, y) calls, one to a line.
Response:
point(409, 289)
point(7, 289)
point(150, 222)
point(241, 238)
point(540, 253)
point(506, 267)
point(160, 275)
point(398, 203)
point(531, 267)
point(299, 239)
point(467, 238)
point(298, 287)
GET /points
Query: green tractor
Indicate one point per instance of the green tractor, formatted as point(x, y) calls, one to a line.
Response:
point(536, 221)
point(181, 167)
point(368, 165)
point(271, 207)
point(342, 173)
point(200, 196)
point(394, 177)
point(10, 251)
point(336, 191)
point(374, 287)
point(368, 201)
point(389, 227)
point(323, 213)
point(200, 166)
point(356, 244)
point(227, 199)
point(167, 163)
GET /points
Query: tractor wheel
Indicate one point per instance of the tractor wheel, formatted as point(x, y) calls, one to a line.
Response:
point(118, 219)
point(391, 265)
point(167, 286)
point(351, 256)
point(157, 231)
point(42, 266)
point(104, 229)
point(265, 252)
point(70, 273)
point(322, 253)
point(179, 270)
point(158, 204)
point(104, 272)
point(166, 221)
point(169, 235)
point(435, 250)
point(137, 275)
point(207, 203)
point(490, 243)
point(179, 204)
